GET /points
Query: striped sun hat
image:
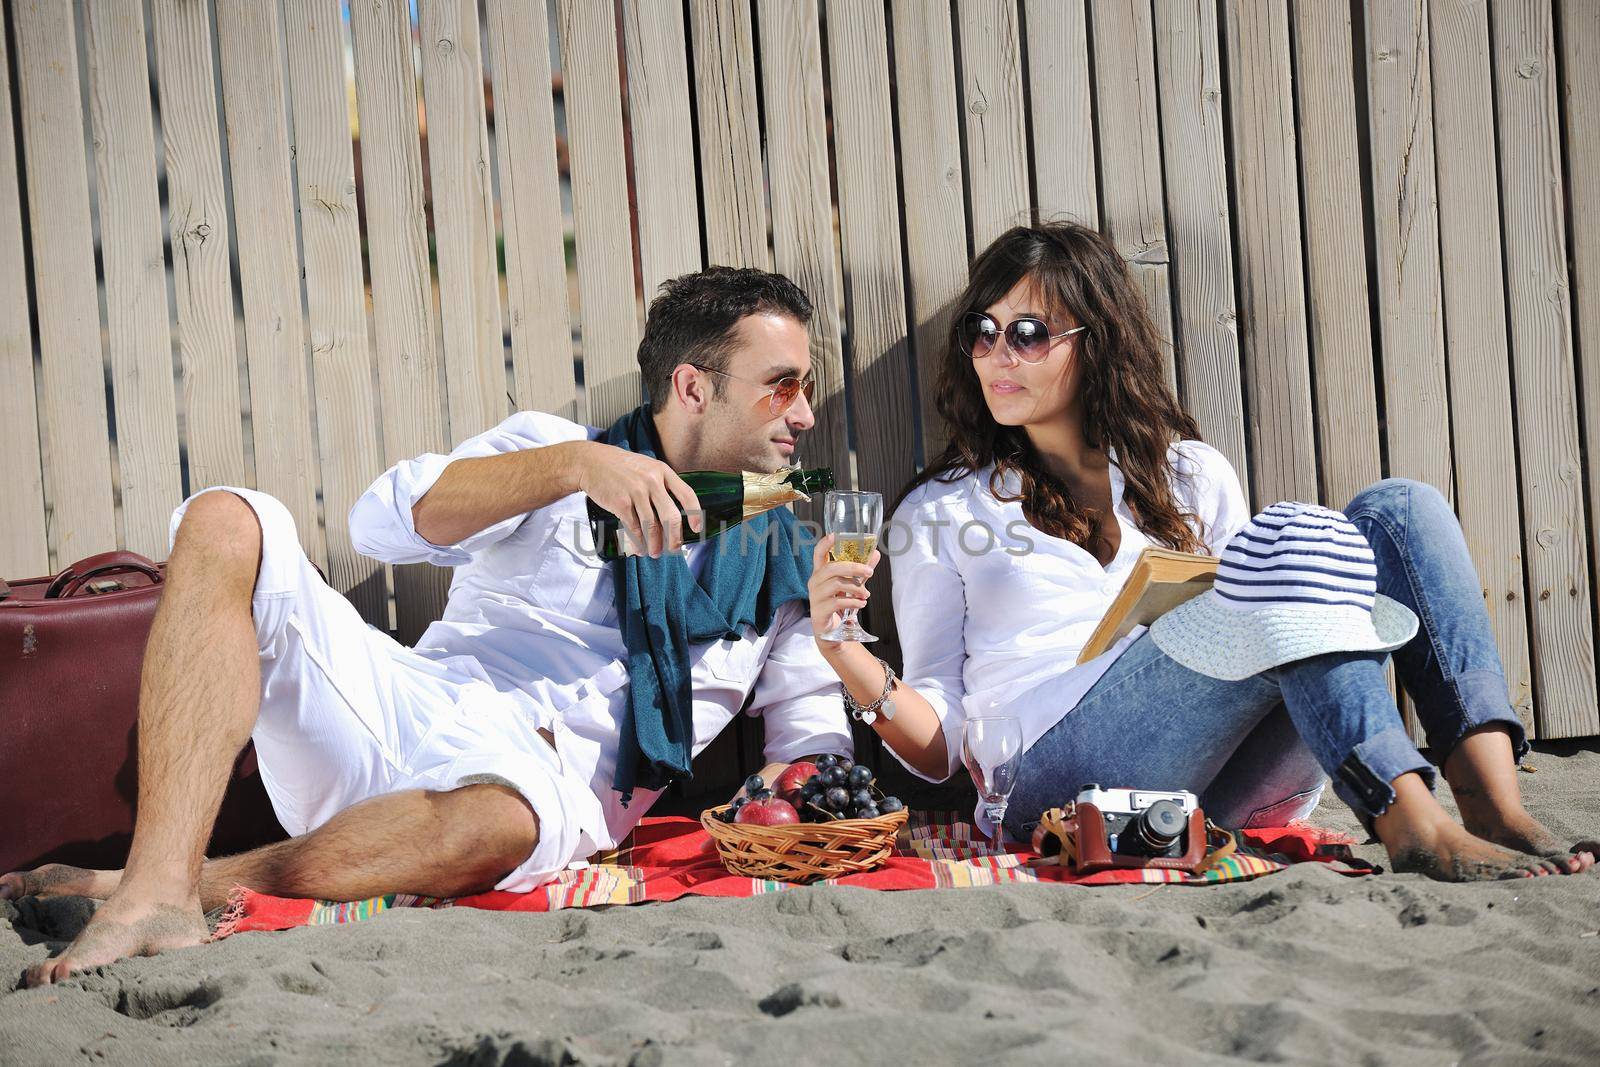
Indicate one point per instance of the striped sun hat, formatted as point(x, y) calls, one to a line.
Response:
point(1297, 581)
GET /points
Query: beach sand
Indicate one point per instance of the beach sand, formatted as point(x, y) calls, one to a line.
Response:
point(1303, 966)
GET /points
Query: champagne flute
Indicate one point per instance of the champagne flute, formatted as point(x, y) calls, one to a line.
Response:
point(992, 750)
point(853, 519)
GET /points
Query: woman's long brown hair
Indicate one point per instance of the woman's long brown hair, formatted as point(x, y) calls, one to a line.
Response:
point(1126, 401)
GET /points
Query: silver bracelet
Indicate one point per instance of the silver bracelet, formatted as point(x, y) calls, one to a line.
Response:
point(868, 713)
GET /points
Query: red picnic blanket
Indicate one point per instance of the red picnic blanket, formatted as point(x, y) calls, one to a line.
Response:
point(669, 857)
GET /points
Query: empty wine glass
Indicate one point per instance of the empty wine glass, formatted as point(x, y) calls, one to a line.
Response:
point(992, 750)
point(853, 519)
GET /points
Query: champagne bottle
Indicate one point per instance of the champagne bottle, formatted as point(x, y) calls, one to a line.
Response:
point(726, 499)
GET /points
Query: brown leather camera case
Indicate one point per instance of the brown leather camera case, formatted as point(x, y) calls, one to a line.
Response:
point(1088, 827)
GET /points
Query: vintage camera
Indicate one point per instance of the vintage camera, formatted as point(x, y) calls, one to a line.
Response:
point(1142, 822)
point(1111, 828)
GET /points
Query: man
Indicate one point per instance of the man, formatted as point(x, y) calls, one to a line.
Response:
point(507, 744)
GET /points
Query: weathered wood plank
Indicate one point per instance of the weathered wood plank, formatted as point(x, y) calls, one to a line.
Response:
point(600, 210)
point(24, 547)
point(1192, 121)
point(463, 216)
point(735, 204)
point(1475, 330)
point(1336, 253)
point(336, 299)
point(869, 210)
point(269, 263)
point(997, 139)
point(1272, 299)
point(75, 435)
point(1580, 48)
point(1060, 101)
point(663, 140)
point(209, 357)
point(1556, 533)
point(410, 375)
point(935, 196)
point(139, 335)
point(1133, 212)
point(1406, 230)
point(530, 208)
point(802, 211)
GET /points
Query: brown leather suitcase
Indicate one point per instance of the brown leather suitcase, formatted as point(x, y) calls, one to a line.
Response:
point(71, 649)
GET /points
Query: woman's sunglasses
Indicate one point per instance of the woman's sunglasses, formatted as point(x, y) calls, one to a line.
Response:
point(1028, 338)
point(784, 391)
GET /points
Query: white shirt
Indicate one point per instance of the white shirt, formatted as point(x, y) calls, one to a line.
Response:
point(535, 614)
point(994, 625)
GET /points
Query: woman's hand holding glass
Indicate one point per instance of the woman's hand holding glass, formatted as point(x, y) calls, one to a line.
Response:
point(836, 586)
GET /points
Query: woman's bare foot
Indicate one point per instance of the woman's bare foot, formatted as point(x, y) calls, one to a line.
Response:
point(1422, 838)
point(1449, 853)
point(59, 880)
point(129, 924)
point(1522, 832)
point(1482, 772)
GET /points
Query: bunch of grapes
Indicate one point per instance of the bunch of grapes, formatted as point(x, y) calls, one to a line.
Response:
point(843, 789)
point(832, 788)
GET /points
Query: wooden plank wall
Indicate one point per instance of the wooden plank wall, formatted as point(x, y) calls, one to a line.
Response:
point(1365, 229)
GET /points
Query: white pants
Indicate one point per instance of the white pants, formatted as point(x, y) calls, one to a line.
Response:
point(348, 713)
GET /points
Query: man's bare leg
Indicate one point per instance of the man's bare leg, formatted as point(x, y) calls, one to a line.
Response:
point(199, 693)
point(433, 844)
point(1482, 773)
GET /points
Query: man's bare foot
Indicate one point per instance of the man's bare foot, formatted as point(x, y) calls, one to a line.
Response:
point(125, 927)
point(59, 880)
point(1448, 853)
point(1523, 833)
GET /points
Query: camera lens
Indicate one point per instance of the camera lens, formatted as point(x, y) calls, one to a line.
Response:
point(1157, 827)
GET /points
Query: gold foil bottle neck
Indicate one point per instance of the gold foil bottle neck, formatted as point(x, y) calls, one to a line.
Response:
point(763, 492)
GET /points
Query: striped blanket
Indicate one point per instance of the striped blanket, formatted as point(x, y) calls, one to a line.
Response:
point(670, 857)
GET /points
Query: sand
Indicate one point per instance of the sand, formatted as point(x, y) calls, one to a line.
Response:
point(1303, 966)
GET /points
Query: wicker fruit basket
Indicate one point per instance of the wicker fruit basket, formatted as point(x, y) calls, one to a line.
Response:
point(803, 852)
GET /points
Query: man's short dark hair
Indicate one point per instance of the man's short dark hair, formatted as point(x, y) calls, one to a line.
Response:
point(693, 317)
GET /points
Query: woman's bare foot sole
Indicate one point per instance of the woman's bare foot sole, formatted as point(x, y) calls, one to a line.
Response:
point(122, 929)
point(59, 880)
point(1524, 833)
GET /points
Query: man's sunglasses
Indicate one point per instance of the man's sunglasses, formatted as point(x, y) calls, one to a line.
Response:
point(1028, 338)
point(783, 393)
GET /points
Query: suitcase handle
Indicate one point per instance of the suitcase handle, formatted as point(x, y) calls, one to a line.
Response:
point(71, 581)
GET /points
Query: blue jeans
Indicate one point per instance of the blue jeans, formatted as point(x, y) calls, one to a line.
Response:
point(1256, 750)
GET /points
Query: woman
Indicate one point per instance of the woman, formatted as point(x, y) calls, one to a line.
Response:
point(1069, 454)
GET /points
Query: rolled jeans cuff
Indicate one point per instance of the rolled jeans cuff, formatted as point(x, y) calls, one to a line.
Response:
point(1481, 701)
point(1364, 779)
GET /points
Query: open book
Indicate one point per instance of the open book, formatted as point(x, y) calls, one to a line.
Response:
point(1161, 579)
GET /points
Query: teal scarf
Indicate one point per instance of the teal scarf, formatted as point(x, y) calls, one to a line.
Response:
point(662, 611)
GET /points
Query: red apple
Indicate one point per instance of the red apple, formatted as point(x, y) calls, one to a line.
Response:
point(774, 812)
point(788, 783)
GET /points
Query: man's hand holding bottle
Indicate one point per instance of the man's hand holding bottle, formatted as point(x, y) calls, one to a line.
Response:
point(646, 495)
